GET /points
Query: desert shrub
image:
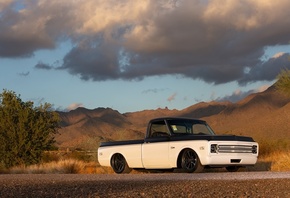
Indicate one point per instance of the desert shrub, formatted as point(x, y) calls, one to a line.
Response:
point(25, 131)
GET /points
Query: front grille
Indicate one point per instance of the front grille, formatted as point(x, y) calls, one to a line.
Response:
point(233, 149)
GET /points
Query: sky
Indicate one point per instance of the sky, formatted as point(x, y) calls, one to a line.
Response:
point(132, 55)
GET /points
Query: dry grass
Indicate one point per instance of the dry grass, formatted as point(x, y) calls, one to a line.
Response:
point(277, 161)
point(61, 166)
point(67, 166)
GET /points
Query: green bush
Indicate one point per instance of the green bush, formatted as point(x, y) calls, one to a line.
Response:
point(25, 131)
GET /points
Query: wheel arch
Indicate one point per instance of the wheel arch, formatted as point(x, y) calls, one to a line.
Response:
point(121, 153)
point(115, 153)
point(125, 168)
point(180, 156)
point(188, 161)
point(200, 155)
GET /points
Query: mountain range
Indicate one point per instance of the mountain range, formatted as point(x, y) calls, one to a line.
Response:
point(263, 116)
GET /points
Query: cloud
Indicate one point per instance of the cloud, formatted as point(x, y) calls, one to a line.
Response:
point(262, 88)
point(74, 106)
point(238, 95)
point(172, 97)
point(278, 55)
point(24, 74)
point(4, 4)
point(41, 65)
point(215, 41)
point(268, 70)
point(154, 90)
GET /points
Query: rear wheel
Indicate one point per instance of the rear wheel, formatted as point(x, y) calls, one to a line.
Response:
point(190, 162)
point(119, 164)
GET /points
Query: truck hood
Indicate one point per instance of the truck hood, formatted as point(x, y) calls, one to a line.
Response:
point(211, 138)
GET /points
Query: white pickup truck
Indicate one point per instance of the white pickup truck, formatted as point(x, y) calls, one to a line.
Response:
point(183, 143)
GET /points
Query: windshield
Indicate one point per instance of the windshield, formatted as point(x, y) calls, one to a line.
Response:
point(190, 127)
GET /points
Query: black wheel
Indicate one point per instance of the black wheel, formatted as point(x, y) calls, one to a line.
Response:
point(190, 162)
point(119, 164)
point(232, 168)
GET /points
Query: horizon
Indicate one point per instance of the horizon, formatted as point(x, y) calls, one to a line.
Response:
point(165, 107)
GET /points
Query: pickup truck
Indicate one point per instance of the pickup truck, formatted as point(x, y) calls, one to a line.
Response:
point(179, 143)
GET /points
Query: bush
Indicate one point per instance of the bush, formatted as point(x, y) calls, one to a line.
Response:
point(25, 131)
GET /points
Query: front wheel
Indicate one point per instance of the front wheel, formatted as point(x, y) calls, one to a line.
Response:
point(190, 162)
point(119, 164)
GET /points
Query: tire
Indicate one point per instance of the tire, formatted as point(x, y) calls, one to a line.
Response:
point(119, 164)
point(190, 162)
point(232, 168)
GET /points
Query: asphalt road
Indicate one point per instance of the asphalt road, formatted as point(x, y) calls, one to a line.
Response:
point(224, 184)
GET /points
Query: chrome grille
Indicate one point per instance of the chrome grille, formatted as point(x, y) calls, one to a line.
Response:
point(234, 148)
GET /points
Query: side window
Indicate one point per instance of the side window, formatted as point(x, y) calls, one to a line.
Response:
point(179, 128)
point(200, 129)
point(158, 129)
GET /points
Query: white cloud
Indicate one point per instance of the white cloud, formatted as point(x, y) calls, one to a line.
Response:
point(262, 88)
point(74, 106)
point(279, 54)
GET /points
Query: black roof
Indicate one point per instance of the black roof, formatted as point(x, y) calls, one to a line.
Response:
point(176, 118)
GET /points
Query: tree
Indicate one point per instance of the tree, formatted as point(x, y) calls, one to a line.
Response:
point(25, 131)
point(283, 82)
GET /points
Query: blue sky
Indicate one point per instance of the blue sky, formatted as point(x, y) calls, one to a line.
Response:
point(136, 55)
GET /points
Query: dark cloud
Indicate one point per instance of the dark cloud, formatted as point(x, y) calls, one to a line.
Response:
point(17, 36)
point(239, 95)
point(41, 65)
point(267, 70)
point(94, 60)
point(236, 96)
point(32, 26)
point(215, 41)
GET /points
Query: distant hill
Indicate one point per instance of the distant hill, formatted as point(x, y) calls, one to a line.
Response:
point(264, 115)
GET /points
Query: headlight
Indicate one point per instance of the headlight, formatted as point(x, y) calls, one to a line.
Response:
point(213, 148)
point(254, 149)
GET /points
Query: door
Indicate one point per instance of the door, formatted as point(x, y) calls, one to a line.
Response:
point(155, 153)
point(155, 150)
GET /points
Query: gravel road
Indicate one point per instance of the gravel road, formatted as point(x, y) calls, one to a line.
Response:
point(239, 184)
